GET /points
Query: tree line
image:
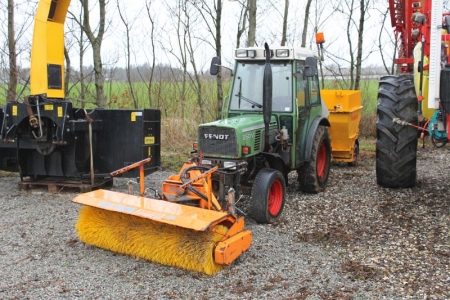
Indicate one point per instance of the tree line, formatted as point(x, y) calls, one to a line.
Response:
point(174, 37)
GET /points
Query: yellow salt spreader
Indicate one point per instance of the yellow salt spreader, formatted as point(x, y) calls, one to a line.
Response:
point(186, 228)
point(345, 115)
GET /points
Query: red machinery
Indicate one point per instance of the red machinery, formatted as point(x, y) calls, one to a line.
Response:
point(416, 102)
point(410, 28)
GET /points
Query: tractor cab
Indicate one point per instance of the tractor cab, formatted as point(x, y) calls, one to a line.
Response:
point(295, 97)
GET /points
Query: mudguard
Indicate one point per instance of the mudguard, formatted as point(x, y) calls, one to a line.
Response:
point(312, 132)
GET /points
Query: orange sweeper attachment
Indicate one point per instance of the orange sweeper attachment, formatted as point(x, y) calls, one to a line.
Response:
point(187, 228)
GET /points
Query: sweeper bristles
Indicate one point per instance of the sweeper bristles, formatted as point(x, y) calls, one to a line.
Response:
point(165, 244)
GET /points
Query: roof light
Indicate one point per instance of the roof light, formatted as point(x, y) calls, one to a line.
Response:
point(241, 53)
point(245, 53)
point(320, 39)
point(282, 53)
point(229, 165)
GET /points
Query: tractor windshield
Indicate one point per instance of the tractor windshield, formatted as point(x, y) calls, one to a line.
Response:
point(247, 92)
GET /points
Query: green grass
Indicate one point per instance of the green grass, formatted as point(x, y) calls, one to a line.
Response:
point(181, 113)
point(169, 95)
point(367, 144)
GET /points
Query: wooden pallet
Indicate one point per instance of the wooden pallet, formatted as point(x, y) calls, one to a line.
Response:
point(57, 184)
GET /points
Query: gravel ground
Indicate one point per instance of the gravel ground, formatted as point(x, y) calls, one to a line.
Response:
point(354, 241)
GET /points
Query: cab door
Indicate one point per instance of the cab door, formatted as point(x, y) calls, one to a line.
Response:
point(309, 104)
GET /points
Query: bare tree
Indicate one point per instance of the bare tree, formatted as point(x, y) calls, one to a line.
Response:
point(128, 27)
point(96, 43)
point(212, 15)
point(354, 22)
point(305, 23)
point(362, 18)
point(285, 19)
point(180, 15)
point(381, 43)
point(251, 23)
point(81, 43)
point(13, 72)
point(241, 24)
point(148, 4)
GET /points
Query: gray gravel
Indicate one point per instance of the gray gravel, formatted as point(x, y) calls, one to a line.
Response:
point(354, 241)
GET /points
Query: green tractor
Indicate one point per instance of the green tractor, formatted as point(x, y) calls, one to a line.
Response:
point(274, 122)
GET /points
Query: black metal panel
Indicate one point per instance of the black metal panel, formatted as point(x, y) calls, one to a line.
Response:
point(8, 151)
point(54, 76)
point(52, 11)
point(128, 136)
point(445, 89)
point(213, 146)
point(60, 145)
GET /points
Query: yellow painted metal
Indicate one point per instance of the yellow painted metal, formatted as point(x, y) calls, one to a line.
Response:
point(345, 116)
point(427, 112)
point(48, 46)
point(158, 210)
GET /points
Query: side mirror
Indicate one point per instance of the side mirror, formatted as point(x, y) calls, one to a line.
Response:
point(310, 66)
point(215, 63)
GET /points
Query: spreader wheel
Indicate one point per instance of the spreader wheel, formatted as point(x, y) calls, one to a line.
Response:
point(268, 196)
point(313, 175)
point(354, 163)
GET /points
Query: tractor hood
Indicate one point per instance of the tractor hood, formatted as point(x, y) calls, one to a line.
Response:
point(225, 138)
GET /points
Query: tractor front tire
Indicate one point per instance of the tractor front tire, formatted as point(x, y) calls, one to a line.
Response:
point(313, 175)
point(268, 196)
point(396, 146)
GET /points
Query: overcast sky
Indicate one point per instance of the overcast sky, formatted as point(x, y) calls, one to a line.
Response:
point(269, 30)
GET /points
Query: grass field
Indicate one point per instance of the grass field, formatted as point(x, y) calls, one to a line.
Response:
point(180, 107)
point(168, 95)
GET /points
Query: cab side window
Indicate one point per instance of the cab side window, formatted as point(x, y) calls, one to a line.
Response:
point(301, 85)
point(314, 90)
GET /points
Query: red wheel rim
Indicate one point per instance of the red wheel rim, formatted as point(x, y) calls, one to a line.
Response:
point(321, 161)
point(275, 198)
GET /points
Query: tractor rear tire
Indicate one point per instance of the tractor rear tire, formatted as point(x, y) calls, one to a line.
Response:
point(313, 175)
point(396, 146)
point(268, 196)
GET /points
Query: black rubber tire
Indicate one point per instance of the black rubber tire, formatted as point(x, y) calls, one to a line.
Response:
point(268, 196)
point(355, 161)
point(396, 146)
point(313, 176)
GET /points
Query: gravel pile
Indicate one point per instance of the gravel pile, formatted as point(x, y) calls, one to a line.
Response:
point(354, 241)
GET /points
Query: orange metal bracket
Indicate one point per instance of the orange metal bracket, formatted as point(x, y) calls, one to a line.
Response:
point(139, 164)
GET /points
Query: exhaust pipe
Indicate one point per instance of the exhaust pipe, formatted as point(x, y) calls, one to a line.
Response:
point(267, 97)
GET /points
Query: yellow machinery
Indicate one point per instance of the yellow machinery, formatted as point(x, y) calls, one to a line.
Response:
point(345, 115)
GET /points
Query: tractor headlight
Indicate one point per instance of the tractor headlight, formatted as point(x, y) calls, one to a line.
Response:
point(282, 53)
point(229, 165)
point(206, 162)
point(246, 53)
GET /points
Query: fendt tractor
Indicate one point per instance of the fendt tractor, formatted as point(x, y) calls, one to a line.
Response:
point(274, 122)
point(415, 103)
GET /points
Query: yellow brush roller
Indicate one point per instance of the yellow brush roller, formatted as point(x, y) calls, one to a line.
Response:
point(162, 243)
